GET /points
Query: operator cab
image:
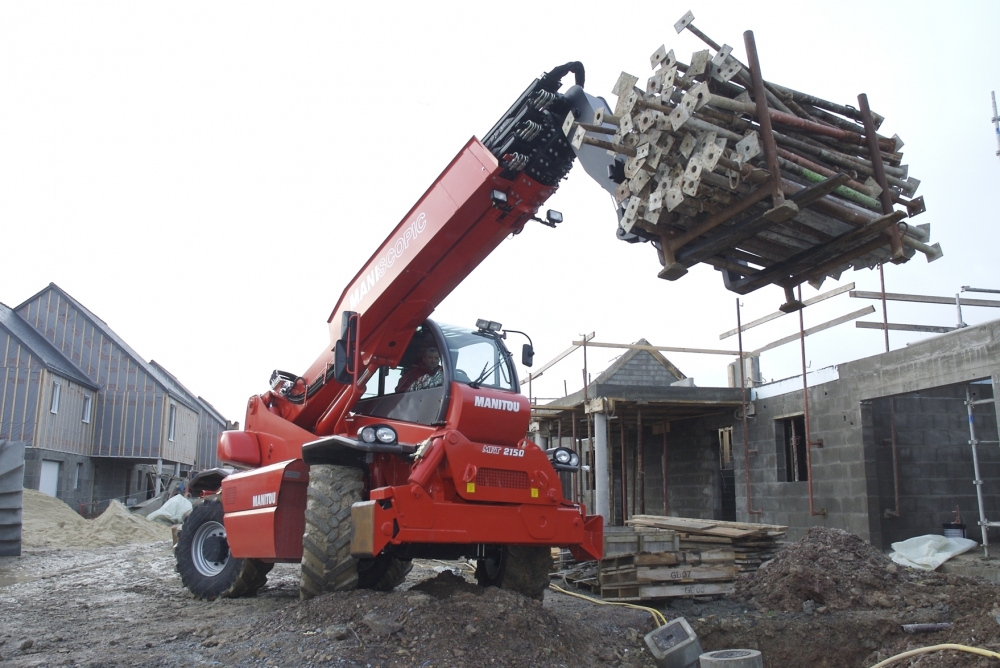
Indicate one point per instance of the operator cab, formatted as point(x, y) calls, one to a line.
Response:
point(418, 390)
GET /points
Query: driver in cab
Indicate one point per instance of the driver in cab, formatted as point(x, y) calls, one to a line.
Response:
point(424, 374)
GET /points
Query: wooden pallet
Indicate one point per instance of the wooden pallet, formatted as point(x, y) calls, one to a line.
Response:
point(645, 592)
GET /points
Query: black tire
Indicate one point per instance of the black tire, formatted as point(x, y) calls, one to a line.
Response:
point(383, 573)
point(203, 560)
point(523, 569)
point(327, 564)
point(250, 579)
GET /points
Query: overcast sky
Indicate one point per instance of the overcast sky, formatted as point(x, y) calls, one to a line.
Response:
point(206, 177)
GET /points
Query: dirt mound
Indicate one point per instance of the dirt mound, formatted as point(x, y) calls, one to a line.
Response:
point(836, 587)
point(48, 522)
point(440, 622)
point(828, 567)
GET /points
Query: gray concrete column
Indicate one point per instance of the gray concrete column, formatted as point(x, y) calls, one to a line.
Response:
point(159, 472)
point(602, 503)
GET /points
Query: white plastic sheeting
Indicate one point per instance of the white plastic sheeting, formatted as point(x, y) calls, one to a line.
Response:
point(173, 511)
point(929, 552)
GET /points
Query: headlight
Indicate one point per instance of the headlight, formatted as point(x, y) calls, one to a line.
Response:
point(367, 434)
point(563, 456)
point(385, 435)
point(574, 459)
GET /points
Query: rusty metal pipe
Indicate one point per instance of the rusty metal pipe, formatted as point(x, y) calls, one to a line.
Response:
point(805, 412)
point(805, 98)
point(743, 76)
point(764, 118)
point(895, 238)
point(790, 120)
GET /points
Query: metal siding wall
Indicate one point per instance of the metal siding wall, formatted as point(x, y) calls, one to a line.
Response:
point(158, 429)
point(64, 431)
point(184, 446)
point(21, 386)
point(6, 408)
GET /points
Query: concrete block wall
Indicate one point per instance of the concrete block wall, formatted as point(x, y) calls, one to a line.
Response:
point(73, 495)
point(935, 461)
point(848, 470)
point(693, 471)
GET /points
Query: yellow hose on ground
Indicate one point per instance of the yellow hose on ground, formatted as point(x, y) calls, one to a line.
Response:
point(937, 648)
point(658, 617)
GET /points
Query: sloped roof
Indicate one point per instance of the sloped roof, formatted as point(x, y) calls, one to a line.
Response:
point(156, 372)
point(53, 360)
point(188, 393)
point(608, 374)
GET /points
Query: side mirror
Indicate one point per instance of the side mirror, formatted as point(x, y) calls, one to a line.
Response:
point(345, 349)
point(527, 355)
point(341, 363)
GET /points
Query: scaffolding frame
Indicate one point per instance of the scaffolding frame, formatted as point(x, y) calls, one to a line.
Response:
point(984, 524)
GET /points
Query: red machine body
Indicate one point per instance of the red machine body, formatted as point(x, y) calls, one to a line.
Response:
point(461, 473)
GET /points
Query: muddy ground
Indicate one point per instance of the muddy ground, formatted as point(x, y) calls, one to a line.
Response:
point(829, 600)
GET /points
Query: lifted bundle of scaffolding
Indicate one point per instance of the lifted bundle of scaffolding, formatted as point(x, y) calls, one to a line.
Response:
point(768, 184)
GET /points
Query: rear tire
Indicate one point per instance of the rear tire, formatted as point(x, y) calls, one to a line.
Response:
point(383, 573)
point(205, 565)
point(523, 569)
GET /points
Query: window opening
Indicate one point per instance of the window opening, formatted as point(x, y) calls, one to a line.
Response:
point(77, 475)
point(791, 436)
point(56, 391)
point(87, 400)
point(726, 447)
point(171, 428)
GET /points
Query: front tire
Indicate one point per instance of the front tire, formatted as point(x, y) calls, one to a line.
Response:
point(523, 569)
point(205, 565)
point(327, 564)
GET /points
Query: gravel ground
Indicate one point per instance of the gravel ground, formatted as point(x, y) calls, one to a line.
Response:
point(828, 600)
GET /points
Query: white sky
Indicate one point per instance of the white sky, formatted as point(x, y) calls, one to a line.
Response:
point(206, 177)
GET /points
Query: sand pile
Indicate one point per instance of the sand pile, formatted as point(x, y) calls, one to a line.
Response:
point(50, 523)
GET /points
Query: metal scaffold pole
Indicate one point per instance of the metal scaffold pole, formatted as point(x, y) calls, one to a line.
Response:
point(996, 120)
point(984, 524)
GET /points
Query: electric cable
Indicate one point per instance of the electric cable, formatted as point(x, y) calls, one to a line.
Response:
point(937, 648)
point(658, 617)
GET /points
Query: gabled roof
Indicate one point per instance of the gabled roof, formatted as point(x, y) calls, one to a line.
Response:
point(49, 356)
point(631, 354)
point(211, 409)
point(164, 379)
point(188, 393)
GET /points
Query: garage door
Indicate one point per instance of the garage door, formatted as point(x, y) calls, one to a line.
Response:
point(48, 482)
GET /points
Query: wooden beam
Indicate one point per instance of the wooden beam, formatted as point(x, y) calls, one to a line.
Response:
point(818, 328)
point(924, 299)
point(777, 314)
point(669, 349)
point(905, 328)
point(558, 358)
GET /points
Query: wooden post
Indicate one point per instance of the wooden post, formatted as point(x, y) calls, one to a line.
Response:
point(666, 488)
point(639, 463)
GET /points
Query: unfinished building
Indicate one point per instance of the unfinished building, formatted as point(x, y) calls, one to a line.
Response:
point(883, 448)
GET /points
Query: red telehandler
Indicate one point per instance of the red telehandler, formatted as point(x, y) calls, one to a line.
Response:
point(406, 437)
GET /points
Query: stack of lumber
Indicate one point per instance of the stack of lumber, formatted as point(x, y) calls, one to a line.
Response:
point(704, 559)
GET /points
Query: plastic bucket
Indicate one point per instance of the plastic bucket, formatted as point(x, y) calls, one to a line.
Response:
point(952, 530)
